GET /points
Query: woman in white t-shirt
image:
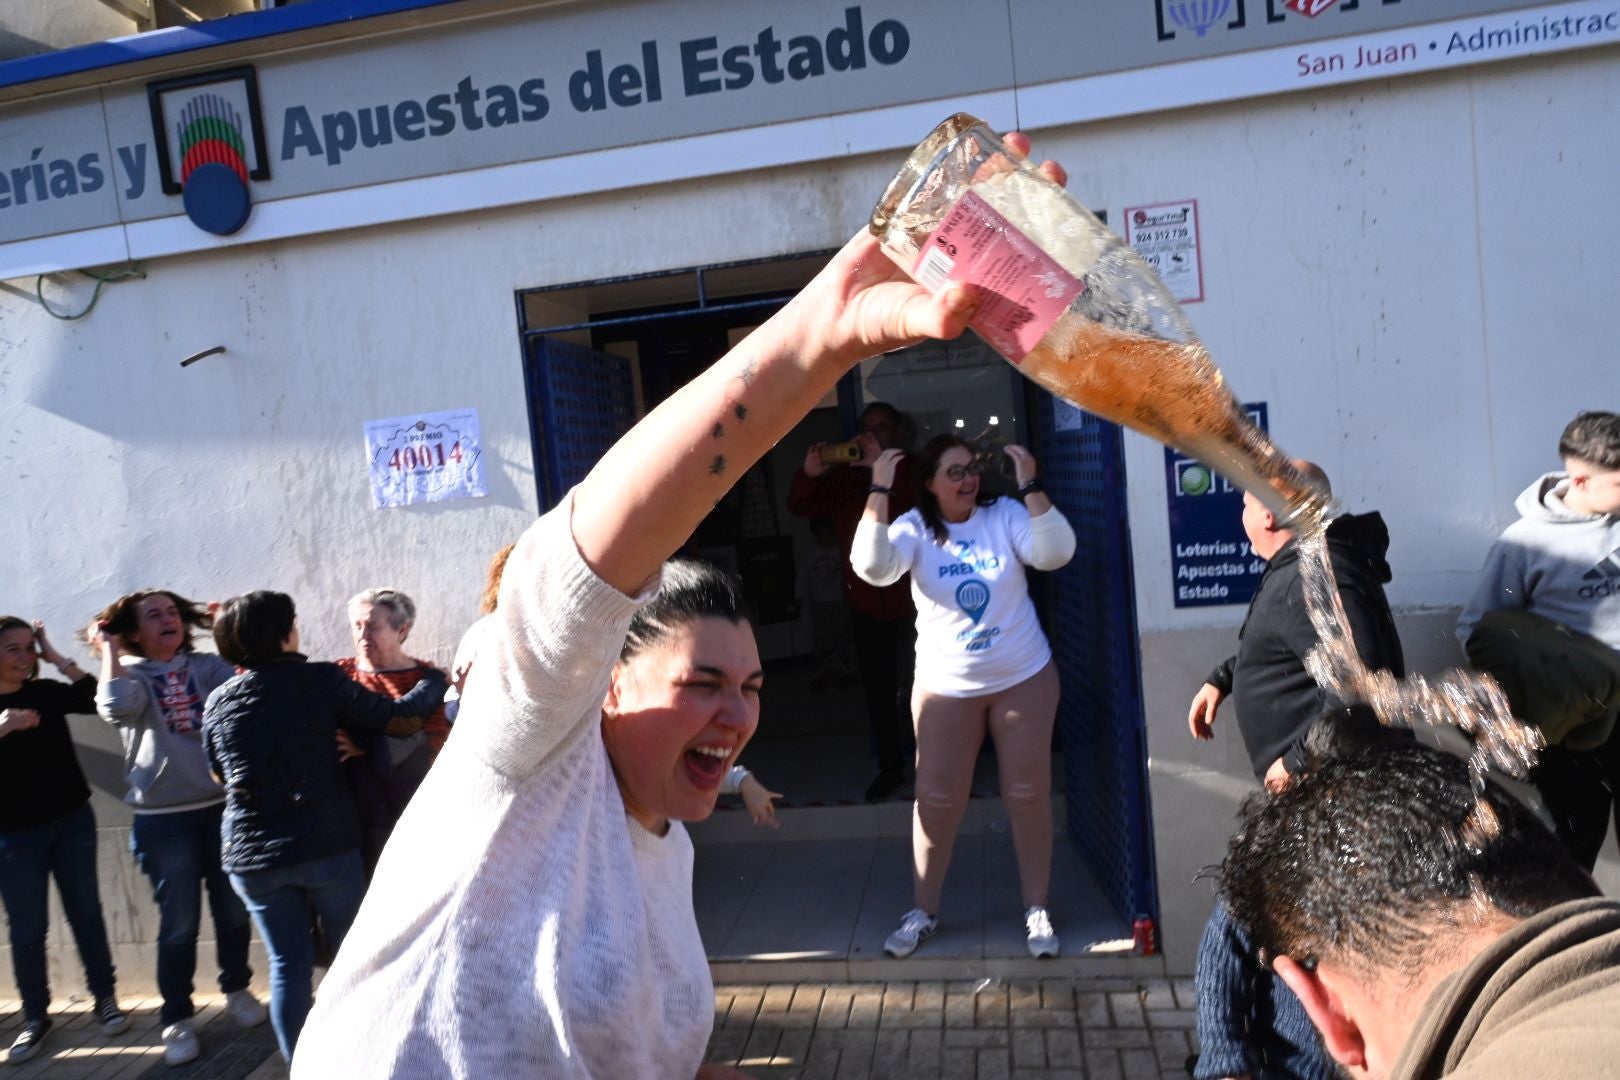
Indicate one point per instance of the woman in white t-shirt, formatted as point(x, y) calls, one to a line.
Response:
point(983, 663)
point(532, 915)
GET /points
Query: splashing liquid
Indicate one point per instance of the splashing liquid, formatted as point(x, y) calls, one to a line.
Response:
point(1470, 701)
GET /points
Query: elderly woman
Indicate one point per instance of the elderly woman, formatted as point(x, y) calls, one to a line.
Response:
point(154, 683)
point(290, 838)
point(47, 830)
point(539, 920)
point(386, 770)
point(983, 664)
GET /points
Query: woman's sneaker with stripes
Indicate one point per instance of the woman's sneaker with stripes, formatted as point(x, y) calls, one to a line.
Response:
point(917, 926)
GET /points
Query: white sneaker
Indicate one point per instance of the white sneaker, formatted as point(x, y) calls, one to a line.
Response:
point(916, 927)
point(179, 1043)
point(245, 1009)
point(1043, 940)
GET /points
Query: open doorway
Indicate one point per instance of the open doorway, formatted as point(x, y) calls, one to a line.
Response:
point(597, 355)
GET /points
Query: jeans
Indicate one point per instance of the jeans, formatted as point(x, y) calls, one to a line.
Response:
point(281, 900)
point(179, 852)
point(66, 850)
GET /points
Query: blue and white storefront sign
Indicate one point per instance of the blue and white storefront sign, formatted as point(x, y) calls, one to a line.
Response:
point(1210, 560)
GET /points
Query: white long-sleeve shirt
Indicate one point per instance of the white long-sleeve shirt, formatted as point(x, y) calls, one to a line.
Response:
point(976, 627)
point(520, 923)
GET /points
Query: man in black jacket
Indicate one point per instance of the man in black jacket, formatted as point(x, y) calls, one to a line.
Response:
point(1277, 700)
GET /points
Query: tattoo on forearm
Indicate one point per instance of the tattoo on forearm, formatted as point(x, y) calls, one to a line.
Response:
point(717, 467)
point(740, 411)
point(718, 431)
point(749, 370)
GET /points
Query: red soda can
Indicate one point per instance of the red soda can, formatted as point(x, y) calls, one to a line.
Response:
point(1145, 936)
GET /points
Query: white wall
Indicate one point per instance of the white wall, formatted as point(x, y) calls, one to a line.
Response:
point(1418, 277)
point(1412, 275)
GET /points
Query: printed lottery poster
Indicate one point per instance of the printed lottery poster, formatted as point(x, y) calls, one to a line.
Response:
point(1166, 235)
point(425, 458)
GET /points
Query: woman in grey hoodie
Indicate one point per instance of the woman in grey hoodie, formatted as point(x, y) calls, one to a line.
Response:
point(156, 701)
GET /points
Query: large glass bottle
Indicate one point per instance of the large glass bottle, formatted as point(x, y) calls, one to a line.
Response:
point(1073, 307)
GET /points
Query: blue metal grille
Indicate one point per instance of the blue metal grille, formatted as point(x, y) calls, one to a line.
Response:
point(1093, 623)
point(583, 401)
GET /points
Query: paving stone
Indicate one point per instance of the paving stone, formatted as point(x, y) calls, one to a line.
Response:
point(805, 1007)
point(930, 996)
point(777, 999)
point(1057, 994)
point(1139, 1065)
point(821, 1063)
point(958, 1063)
point(1117, 1039)
point(865, 1008)
point(834, 1011)
point(897, 1000)
point(1172, 1047)
point(1028, 1050)
point(992, 1008)
point(1157, 994)
point(793, 1049)
point(926, 1051)
point(761, 1045)
point(1024, 997)
point(1063, 1049)
point(744, 1009)
point(993, 1065)
point(1093, 1010)
point(1186, 1019)
point(1103, 1065)
point(727, 1045)
point(1127, 1009)
point(889, 1055)
point(977, 1037)
point(959, 1010)
point(1186, 993)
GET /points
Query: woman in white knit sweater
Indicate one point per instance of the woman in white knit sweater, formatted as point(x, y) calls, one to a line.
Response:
point(983, 664)
point(532, 914)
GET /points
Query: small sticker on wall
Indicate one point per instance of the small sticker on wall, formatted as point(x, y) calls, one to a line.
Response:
point(1166, 235)
point(428, 457)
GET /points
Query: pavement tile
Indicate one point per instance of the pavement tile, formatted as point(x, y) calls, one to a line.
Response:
point(1186, 993)
point(1157, 994)
point(1103, 1065)
point(1186, 1019)
point(1139, 1065)
point(1092, 1009)
point(1063, 1049)
point(1029, 1049)
point(1127, 1009)
point(993, 1065)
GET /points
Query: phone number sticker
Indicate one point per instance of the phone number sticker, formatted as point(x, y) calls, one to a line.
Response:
point(1166, 235)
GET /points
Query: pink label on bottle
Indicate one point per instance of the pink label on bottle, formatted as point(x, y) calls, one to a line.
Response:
point(1025, 290)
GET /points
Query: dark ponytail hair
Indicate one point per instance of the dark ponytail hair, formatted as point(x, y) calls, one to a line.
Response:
point(927, 466)
point(688, 591)
point(250, 630)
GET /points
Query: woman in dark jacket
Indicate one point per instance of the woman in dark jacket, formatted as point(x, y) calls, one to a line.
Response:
point(47, 829)
point(291, 836)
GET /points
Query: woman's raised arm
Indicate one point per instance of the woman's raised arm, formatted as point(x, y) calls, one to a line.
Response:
point(650, 491)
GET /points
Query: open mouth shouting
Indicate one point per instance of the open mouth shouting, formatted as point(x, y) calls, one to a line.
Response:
point(706, 765)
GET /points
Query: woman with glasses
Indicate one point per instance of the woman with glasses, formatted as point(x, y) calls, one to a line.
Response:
point(983, 663)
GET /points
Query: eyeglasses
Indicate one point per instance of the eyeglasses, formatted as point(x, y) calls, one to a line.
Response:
point(958, 473)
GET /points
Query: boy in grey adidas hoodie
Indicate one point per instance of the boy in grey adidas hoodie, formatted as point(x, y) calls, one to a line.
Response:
point(1561, 560)
point(156, 701)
